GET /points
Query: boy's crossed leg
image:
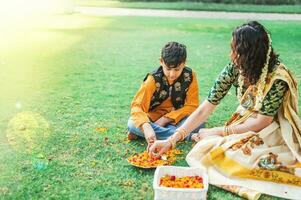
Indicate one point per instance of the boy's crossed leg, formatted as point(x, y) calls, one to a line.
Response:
point(162, 133)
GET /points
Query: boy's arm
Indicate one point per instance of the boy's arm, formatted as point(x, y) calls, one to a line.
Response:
point(191, 103)
point(141, 102)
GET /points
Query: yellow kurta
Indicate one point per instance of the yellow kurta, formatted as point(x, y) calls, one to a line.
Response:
point(140, 113)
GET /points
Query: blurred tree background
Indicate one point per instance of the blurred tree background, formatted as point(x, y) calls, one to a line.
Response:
point(260, 2)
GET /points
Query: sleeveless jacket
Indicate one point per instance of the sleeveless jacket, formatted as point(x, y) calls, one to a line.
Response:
point(177, 91)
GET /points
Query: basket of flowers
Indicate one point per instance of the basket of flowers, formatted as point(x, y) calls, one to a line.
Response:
point(172, 183)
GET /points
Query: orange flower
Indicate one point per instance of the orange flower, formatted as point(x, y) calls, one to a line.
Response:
point(100, 129)
point(143, 160)
point(182, 182)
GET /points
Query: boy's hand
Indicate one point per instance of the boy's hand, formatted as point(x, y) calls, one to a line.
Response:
point(163, 121)
point(149, 134)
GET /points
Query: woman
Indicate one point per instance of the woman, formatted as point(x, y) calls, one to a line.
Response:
point(260, 145)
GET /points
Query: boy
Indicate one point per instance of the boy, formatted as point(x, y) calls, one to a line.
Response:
point(166, 98)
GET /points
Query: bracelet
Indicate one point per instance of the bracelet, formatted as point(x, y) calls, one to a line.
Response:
point(226, 131)
point(229, 130)
point(183, 133)
point(172, 142)
point(232, 128)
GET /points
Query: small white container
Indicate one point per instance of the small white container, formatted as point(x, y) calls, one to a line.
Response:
point(165, 193)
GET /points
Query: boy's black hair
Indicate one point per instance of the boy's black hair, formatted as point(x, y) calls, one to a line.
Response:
point(173, 54)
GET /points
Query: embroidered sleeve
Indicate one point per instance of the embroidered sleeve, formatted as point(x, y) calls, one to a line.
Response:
point(274, 98)
point(222, 84)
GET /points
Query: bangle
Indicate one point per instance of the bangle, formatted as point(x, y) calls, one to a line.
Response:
point(172, 142)
point(229, 130)
point(232, 128)
point(226, 131)
point(183, 133)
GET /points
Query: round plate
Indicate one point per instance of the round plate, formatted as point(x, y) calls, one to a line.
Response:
point(144, 157)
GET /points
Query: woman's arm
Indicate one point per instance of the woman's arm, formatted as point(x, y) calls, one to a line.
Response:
point(199, 116)
point(221, 87)
point(252, 124)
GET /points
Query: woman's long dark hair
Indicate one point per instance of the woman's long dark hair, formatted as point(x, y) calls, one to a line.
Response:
point(250, 43)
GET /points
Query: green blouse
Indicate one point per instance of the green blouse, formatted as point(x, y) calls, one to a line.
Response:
point(229, 77)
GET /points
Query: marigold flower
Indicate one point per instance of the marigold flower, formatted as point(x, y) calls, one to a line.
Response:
point(143, 160)
point(181, 182)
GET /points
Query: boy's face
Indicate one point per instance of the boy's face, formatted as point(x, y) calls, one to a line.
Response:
point(170, 72)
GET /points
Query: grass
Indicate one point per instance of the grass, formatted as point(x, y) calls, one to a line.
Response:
point(66, 76)
point(195, 6)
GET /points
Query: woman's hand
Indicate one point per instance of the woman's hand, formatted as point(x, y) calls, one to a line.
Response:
point(159, 147)
point(207, 132)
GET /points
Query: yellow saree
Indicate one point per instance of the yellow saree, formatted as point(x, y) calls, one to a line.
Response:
point(251, 163)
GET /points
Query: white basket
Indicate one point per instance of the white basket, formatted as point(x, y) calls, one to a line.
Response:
point(165, 193)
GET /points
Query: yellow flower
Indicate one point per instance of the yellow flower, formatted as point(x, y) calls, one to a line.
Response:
point(181, 182)
point(143, 159)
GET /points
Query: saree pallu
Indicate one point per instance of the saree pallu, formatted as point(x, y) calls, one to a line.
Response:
point(251, 163)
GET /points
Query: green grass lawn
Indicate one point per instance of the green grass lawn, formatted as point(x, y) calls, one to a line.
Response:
point(63, 77)
point(194, 6)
